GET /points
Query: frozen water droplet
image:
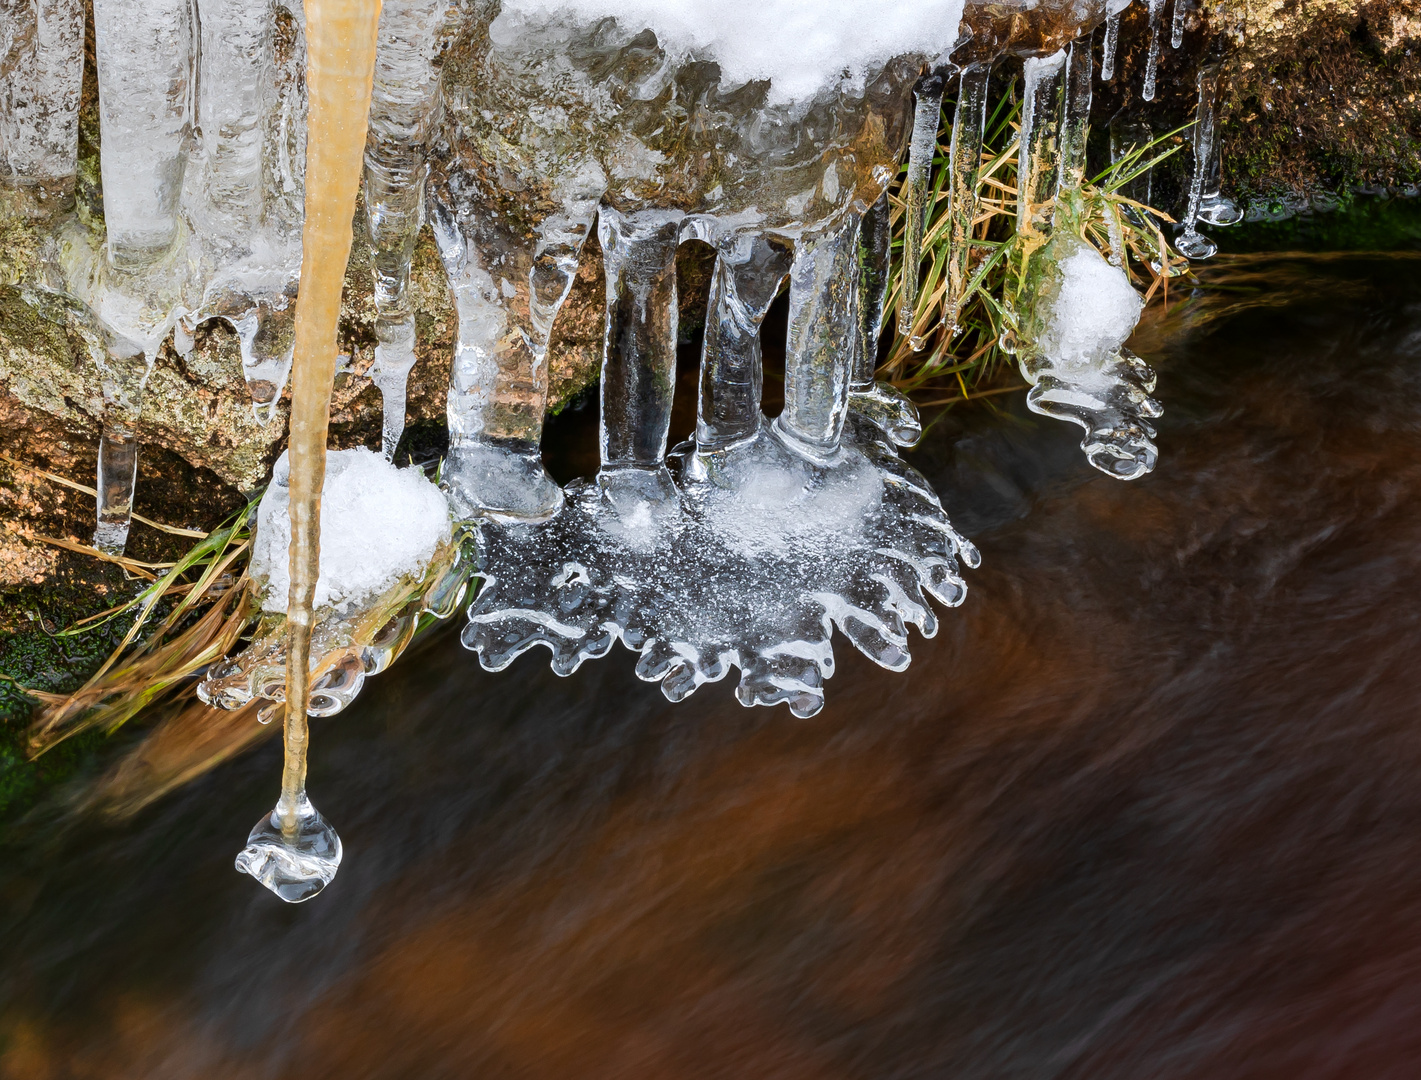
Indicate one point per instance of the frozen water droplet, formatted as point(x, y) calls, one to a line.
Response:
point(295, 862)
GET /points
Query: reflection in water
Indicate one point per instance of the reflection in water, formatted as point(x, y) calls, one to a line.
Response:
point(1146, 807)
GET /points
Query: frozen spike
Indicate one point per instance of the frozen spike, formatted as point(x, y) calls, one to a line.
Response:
point(1112, 43)
point(237, 74)
point(1040, 141)
point(118, 473)
point(746, 281)
point(1205, 201)
point(877, 646)
point(904, 599)
point(394, 359)
point(819, 351)
point(1176, 37)
point(875, 258)
point(657, 660)
point(927, 117)
point(144, 53)
point(1115, 230)
point(1076, 126)
point(39, 95)
point(1152, 57)
point(404, 104)
point(639, 342)
point(964, 159)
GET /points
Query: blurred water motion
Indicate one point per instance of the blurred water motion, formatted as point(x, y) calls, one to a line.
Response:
point(1147, 807)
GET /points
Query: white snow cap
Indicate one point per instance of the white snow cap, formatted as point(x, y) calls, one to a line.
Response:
point(801, 46)
point(1094, 312)
point(378, 524)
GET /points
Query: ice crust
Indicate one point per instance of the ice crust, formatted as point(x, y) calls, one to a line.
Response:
point(1094, 311)
point(378, 523)
point(800, 46)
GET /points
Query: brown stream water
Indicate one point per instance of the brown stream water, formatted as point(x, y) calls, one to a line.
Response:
point(1148, 807)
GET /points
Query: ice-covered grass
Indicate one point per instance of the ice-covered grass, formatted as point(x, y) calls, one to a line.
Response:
point(379, 523)
point(1093, 311)
point(800, 46)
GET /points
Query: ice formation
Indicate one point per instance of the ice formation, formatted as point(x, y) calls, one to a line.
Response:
point(379, 524)
point(771, 130)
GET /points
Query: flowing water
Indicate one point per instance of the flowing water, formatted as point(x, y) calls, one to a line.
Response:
point(1146, 807)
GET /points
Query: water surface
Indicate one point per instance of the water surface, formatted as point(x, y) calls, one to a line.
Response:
point(1149, 806)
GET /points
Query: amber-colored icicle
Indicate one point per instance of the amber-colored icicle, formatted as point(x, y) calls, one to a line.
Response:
point(340, 67)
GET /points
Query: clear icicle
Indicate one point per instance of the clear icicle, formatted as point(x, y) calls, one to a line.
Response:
point(403, 109)
point(638, 357)
point(879, 403)
point(969, 121)
point(1191, 243)
point(927, 116)
point(823, 295)
point(237, 73)
point(144, 53)
point(1215, 208)
point(748, 273)
point(39, 95)
point(1127, 136)
point(1040, 140)
point(1152, 58)
point(1176, 37)
point(1116, 232)
point(1076, 127)
point(293, 851)
point(1111, 46)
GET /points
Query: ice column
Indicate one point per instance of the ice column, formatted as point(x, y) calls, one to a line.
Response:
point(1152, 59)
point(1076, 127)
point(819, 350)
point(403, 110)
point(1176, 37)
point(1108, 50)
point(1191, 243)
point(964, 160)
point(253, 284)
point(1040, 141)
point(145, 61)
point(507, 289)
point(927, 116)
point(877, 402)
point(1215, 208)
point(40, 75)
point(145, 65)
point(747, 278)
point(638, 356)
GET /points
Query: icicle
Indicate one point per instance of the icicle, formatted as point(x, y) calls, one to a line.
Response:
point(1108, 50)
point(144, 53)
point(39, 95)
point(891, 411)
point(1215, 208)
point(874, 254)
point(823, 289)
point(1152, 59)
point(498, 387)
point(969, 120)
point(747, 278)
point(1128, 135)
point(927, 116)
point(1040, 140)
point(1116, 231)
point(237, 74)
point(293, 851)
point(638, 357)
point(403, 108)
point(1076, 127)
point(1191, 243)
point(1176, 38)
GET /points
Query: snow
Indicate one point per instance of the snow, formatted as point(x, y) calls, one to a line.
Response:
point(801, 46)
point(1094, 311)
point(378, 523)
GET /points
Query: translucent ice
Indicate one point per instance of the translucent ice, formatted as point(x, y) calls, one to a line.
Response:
point(379, 524)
